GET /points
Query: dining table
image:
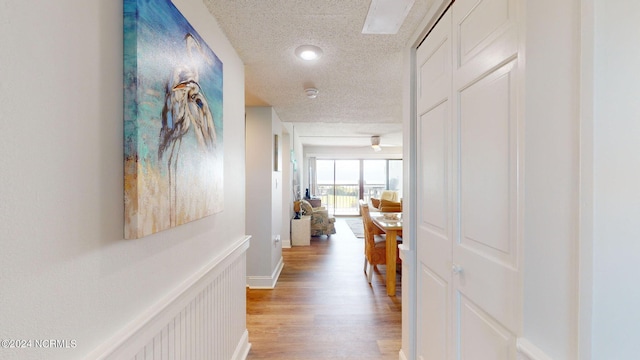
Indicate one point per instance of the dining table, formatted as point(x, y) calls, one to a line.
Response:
point(391, 224)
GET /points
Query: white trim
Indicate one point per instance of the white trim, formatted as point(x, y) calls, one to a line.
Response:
point(404, 252)
point(401, 355)
point(408, 257)
point(242, 351)
point(521, 154)
point(266, 282)
point(436, 9)
point(528, 351)
point(409, 301)
point(286, 244)
point(409, 293)
point(138, 332)
point(584, 251)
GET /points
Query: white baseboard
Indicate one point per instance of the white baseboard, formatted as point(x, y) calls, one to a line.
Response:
point(403, 251)
point(528, 351)
point(186, 321)
point(242, 351)
point(401, 355)
point(286, 243)
point(266, 282)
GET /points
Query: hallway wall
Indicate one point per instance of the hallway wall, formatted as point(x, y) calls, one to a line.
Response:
point(616, 180)
point(264, 197)
point(551, 168)
point(65, 271)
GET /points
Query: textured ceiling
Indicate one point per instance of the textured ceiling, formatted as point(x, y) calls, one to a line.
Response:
point(359, 76)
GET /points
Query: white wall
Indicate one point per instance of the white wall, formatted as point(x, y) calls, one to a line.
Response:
point(346, 152)
point(610, 315)
point(276, 190)
point(66, 271)
point(287, 187)
point(264, 193)
point(259, 197)
point(551, 176)
point(616, 316)
point(298, 150)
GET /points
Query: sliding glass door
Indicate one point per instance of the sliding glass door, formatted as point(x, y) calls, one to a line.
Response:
point(394, 176)
point(340, 183)
point(374, 178)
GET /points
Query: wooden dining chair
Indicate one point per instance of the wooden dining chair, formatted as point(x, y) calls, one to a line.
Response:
point(375, 243)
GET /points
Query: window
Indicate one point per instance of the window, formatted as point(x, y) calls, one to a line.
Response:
point(340, 183)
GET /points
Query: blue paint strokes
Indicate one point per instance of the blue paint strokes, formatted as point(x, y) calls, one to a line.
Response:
point(154, 45)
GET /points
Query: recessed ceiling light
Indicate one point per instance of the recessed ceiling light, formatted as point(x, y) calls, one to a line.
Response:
point(308, 52)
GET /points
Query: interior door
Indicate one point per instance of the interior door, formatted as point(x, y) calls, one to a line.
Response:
point(434, 224)
point(469, 226)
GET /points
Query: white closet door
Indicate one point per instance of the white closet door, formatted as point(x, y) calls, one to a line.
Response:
point(487, 303)
point(468, 228)
point(435, 185)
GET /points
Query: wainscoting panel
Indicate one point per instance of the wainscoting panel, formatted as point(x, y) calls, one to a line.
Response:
point(204, 319)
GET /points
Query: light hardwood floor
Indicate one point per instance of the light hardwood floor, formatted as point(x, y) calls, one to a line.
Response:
point(323, 307)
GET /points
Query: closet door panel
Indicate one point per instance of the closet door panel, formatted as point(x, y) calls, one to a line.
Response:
point(488, 170)
point(469, 183)
point(434, 68)
point(434, 316)
point(482, 337)
point(487, 197)
point(486, 37)
point(434, 132)
point(434, 217)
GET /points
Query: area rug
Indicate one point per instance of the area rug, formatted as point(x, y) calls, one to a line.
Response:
point(355, 224)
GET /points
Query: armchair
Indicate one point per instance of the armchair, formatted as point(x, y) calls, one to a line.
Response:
point(388, 202)
point(321, 222)
point(390, 195)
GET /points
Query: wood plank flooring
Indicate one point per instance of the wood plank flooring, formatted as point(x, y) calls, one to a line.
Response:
point(323, 307)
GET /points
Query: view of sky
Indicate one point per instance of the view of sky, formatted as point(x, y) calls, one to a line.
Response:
point(348, 171)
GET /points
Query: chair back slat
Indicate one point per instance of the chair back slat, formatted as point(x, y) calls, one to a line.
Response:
point(368, 223)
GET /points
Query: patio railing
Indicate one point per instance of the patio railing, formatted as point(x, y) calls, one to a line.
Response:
point(343, 199)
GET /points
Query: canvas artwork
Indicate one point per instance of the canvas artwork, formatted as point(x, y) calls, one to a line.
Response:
point(173, 166)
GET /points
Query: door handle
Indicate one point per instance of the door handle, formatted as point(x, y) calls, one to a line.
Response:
point(456, 269)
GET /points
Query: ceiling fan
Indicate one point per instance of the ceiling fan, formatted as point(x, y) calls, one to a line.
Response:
point(375, 143)
point(379, 140)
